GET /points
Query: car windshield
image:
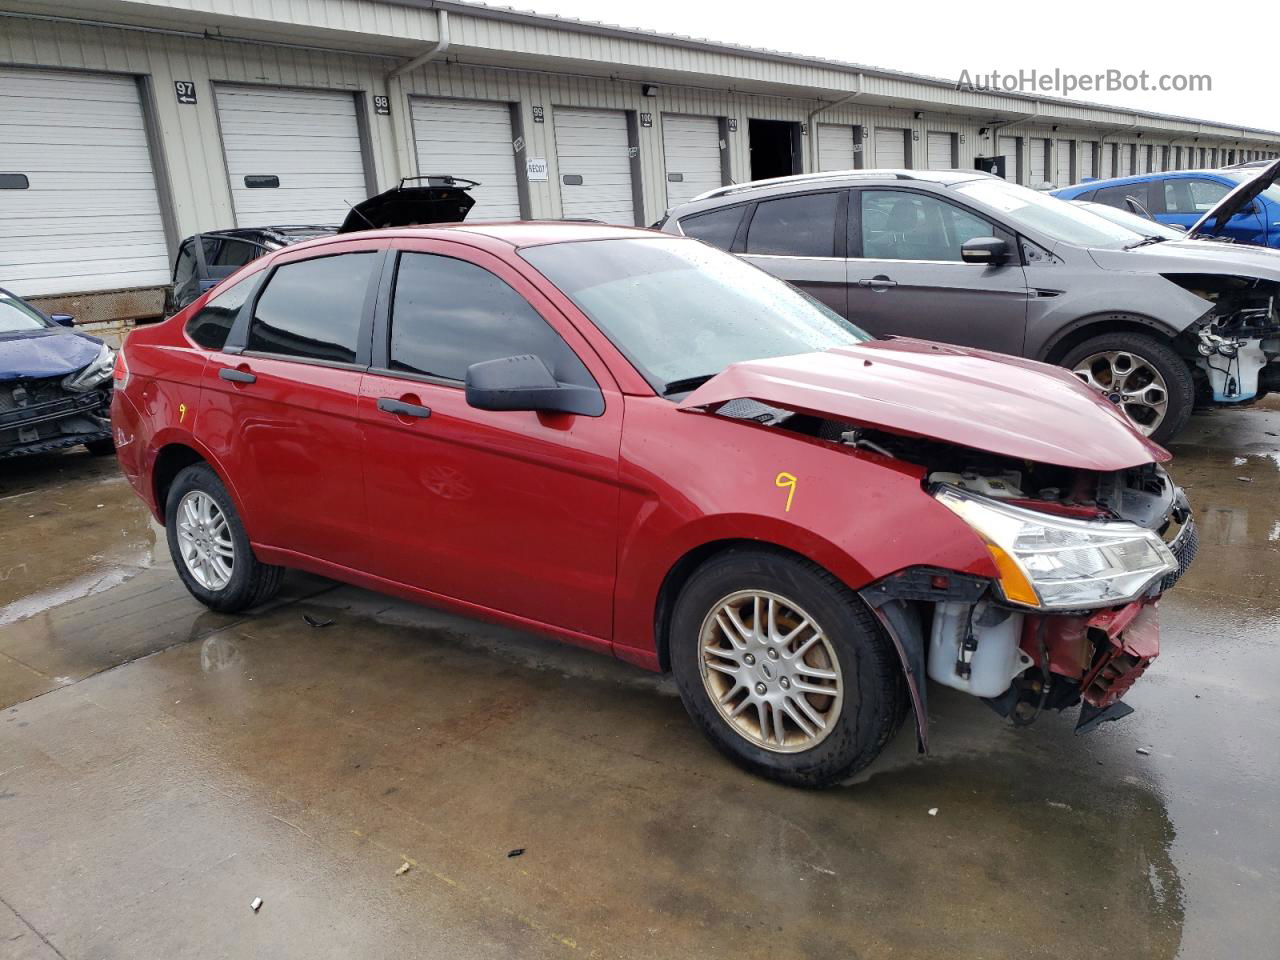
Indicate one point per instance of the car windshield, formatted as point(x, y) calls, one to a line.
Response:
point(1272, 193)
point(1056, 218)
point(1150, 228)
point(16, 316)
point(682, 311)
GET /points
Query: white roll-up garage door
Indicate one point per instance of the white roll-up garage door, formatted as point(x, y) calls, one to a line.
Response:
point(1126, 159)
point(691, 151)
point(592, 150)
point(1008, 147)
point(1062, 175)
point(1037, 151)
point(1107, 170)
point(835, 147)
point(293, 156)
point(891, 149)
point(79, 210)
point(472, 139)
point(940, 151)
point(1086, 158)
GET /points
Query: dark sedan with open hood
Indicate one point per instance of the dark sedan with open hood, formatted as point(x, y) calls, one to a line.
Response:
point(55, 383)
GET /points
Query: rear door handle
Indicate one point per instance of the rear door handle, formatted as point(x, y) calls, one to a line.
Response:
point(402, 409)
point(878, 283)
point(237, 376)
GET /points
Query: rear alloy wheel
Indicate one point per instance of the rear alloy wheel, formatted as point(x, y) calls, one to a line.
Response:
point(784, 668)
point(209, 546)
point(1149, 383)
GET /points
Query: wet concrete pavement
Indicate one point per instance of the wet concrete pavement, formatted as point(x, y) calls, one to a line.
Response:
point(161, 766)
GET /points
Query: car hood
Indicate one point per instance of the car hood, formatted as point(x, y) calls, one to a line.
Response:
point(1234, 202)
point(45, 353)
point(435, 200)
point(1004, 405)
point(1193, 256)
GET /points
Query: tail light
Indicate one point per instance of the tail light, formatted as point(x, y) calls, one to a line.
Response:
point(120, 372)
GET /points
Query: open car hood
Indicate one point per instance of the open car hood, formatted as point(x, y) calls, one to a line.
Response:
point(1004, 405)
point(1234, 202)
point(413, 204)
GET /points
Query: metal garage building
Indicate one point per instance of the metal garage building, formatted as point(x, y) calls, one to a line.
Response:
point(129, 124)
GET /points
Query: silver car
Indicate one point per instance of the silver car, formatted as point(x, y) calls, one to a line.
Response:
point(1157, 324)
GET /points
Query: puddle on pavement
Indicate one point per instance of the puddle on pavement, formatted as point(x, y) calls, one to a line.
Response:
point(70, 525)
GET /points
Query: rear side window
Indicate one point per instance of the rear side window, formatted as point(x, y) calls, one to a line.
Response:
point(314, 308)
point(1117, 196)
point(235, 253)
point(185, 268)
point(802, 226)
point(211, 326)
point(717, 228)
point(447, 314)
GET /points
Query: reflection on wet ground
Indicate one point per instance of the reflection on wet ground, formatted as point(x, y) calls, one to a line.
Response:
point(143, 807)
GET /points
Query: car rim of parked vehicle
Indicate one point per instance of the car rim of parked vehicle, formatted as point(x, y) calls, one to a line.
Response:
point(771, 671)
point(204, 537)
point(1131, 383)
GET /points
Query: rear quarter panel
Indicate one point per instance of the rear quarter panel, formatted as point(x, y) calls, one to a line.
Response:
point(691, 479)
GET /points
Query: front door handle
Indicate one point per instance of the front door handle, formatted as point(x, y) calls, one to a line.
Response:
point(402, 409)
point(878, 283)
point(237, 376)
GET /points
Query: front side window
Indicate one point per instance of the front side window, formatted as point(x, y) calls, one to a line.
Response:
point(212, 325)
point(185, 267)
point(898, 225)
point(803, 226)
point(682, 311)
point(235, 253)
point(314, 308)
point(717, 228)
point(1206, 194)
point(447, 314)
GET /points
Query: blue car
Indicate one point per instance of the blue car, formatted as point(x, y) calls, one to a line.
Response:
point(55, 383)
point(1241, 205)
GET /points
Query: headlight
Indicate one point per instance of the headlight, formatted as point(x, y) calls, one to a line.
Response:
point(1061, 563)
point(92, 376)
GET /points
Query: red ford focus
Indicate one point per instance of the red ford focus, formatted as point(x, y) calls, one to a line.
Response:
point(642, 445)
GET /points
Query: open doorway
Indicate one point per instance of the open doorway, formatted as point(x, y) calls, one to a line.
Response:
point(775, 148)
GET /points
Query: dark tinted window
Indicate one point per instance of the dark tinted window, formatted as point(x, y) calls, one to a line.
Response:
point(235, 253)
point(795, 226)
point(1117, 196)
point(447, 314)
point(213, 323)
point(717, 228)
point(313, 308)
point(185, 268)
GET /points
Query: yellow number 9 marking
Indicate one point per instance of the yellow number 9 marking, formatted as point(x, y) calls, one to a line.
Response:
point(786, 480)
point(182, 412)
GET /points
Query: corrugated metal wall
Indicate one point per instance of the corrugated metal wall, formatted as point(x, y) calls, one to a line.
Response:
point(192, 163)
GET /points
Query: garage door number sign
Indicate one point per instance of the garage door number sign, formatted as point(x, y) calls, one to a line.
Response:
point(185, 91)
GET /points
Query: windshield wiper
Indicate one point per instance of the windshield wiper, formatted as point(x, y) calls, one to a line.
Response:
point(1146, 241)
point(685, 384)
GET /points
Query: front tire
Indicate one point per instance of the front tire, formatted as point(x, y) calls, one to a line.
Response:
point(784, 668)
point(101, 448)
point(1143, 376)
point(209, 546)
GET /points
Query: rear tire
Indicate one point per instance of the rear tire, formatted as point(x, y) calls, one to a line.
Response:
point(835, 735)
point(213, 557)
point(1158, 356)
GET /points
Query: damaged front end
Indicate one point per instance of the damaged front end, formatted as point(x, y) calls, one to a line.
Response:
point(1237, 343)
point(1083, 559)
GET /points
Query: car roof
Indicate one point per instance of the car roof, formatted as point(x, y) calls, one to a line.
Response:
point(516, 233)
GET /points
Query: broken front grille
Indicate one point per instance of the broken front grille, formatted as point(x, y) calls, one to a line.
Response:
point(34, 410)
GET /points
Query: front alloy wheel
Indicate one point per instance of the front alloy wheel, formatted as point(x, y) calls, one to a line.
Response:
point(784, 668)
point(770, 671)
point(1131, 383)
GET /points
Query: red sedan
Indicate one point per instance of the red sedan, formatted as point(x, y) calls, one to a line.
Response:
point(642, 445)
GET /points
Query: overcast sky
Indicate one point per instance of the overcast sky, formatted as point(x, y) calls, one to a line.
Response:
point(1234, 44)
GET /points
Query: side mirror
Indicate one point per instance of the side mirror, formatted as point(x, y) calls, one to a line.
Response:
point(63, 319)
point(985, 251)
point(525, 383)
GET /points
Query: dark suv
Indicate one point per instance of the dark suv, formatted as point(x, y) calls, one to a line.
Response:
point(206, 259)
point(1155, 325)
